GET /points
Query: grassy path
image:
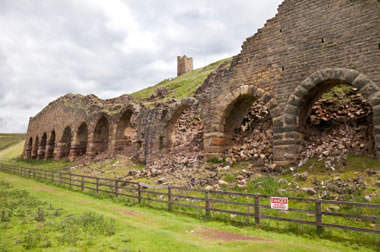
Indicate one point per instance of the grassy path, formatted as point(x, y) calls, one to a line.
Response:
point(153, 230)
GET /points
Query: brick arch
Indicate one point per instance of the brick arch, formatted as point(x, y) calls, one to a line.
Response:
point(42, 147)
point(65, 142)
point(289, 139)
point(80, 141)
point(229, 110)
point(50, 147)
point(29, 148)
point(166, 139)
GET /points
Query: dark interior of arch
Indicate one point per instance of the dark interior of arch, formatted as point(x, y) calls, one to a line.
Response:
point(101, 135)
point(30, 148)
point(126, 133)
point(249, 127)
point(43, 146)
point(336, 120)
point(66, 142)
point(82, 139)
point(50, 146)
point(236, 112)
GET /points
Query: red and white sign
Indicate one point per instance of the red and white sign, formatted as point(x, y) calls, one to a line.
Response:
point(279, 203)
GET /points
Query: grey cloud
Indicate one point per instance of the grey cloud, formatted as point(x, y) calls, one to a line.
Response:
point(50, 47)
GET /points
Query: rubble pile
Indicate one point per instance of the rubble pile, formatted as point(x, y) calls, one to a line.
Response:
point(253, 139)
point(336, 127)
point(182, 159)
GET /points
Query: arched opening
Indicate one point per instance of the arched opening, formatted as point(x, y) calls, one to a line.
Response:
point(66, 142)
point(101, 135)
point(336, 120)
point(248, 131)
point(35, 148)
point(82, 139)
point(302, 109)
point(126, 134)
point(29, 148)
point(42, 149)
point(50, 146)
point(185, 132)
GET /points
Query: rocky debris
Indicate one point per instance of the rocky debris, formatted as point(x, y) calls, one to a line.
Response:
point(301, 176)
point(309, 190)
point(182, 160)
point(339, 189)
point(160, 93)
point(337, 126)
point(253, 139)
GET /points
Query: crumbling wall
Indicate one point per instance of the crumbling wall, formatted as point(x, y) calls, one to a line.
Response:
point(292, 60)
point(309, 47)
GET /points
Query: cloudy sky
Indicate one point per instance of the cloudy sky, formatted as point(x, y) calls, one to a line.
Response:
point(110, 47)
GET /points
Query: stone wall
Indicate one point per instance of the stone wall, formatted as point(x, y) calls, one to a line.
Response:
point(292, 60)
point(307, 48)
point(184, 65)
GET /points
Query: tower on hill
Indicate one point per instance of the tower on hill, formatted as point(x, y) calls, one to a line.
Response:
point(184, 65)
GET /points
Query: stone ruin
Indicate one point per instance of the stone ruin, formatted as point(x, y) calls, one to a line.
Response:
point(265, 106)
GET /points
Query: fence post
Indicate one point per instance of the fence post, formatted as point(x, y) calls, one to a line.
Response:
point(97, 185)
point(257, 209)
point(60, 178)
point(116, 188)
point(207, 204)
point(82, 184)
point(71, 183)
point(52, 177)
point(45, 175)
point(318, 216)
point(170, 206)
point(139, 193)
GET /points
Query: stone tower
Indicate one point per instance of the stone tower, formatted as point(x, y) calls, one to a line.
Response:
point(184, 65)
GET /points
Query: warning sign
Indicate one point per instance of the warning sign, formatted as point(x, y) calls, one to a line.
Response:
point(279, 203)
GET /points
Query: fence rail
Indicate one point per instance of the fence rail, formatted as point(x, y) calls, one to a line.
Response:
point(142, 192)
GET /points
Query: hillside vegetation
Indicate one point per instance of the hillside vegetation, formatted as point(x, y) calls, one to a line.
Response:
point(11, 145)
point(182, 86)
point(78, 223)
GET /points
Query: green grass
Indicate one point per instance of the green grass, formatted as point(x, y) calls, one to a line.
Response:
point(182, 86)
point(53, 165)
point(146, 229)
point(8, 140)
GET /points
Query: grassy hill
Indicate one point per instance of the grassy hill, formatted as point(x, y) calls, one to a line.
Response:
point(137, 228)
point(11, 145)
point(182, 86)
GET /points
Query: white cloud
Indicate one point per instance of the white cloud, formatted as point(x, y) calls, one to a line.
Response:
point(50, 47)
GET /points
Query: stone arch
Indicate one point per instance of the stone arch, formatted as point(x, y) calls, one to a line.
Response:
point(29, 148)
point(35, 148)
point(65, 144)
point(42, 147)
point(229, 111)
point(170, 126)
point(126, 133)
point(171, 116)
point(50, 146)
point(81, 140)
point(101, 136)
point(288, 134)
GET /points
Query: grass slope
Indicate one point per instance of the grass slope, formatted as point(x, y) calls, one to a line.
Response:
point(7, 140)
point(144, 229)
point(182, 86)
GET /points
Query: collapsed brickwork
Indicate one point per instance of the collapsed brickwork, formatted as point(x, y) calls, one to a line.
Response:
point(306, 49)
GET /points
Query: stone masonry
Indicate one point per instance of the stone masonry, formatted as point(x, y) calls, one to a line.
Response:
point(309, 47)
point(184, 65)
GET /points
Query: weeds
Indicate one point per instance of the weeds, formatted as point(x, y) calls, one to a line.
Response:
point(43, 224)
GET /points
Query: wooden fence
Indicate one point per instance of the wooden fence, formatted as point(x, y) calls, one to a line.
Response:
point(171, 195)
